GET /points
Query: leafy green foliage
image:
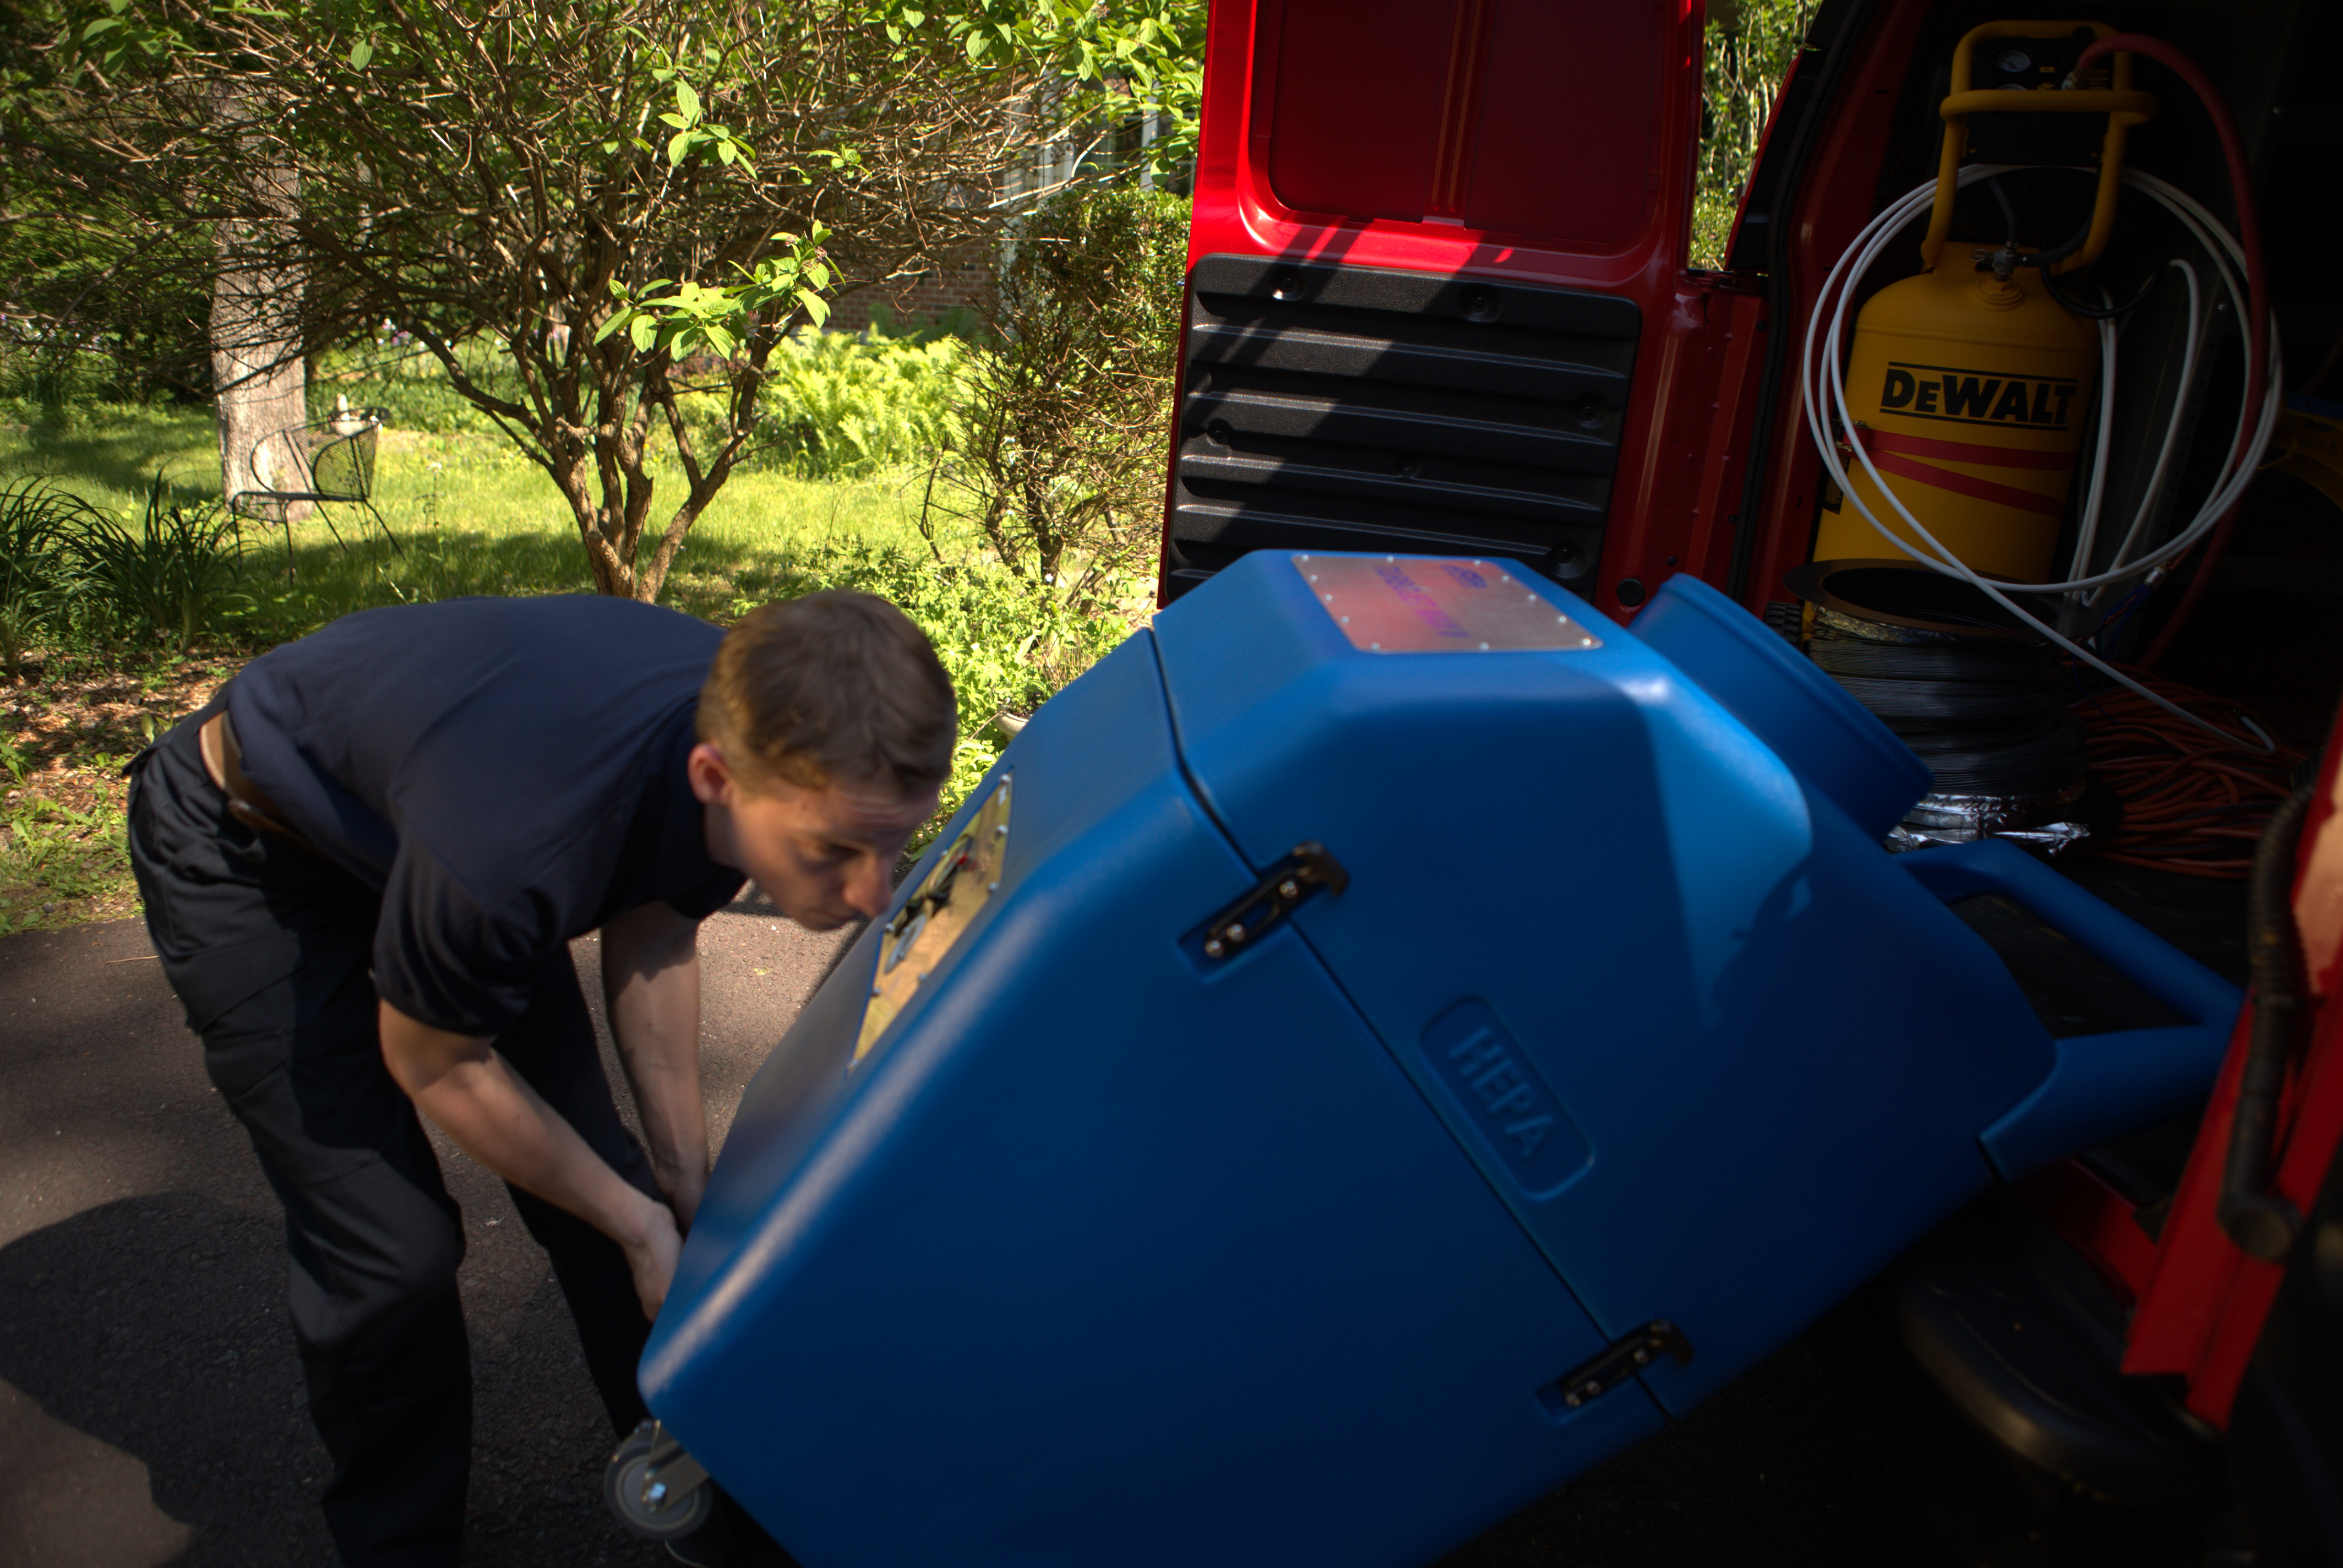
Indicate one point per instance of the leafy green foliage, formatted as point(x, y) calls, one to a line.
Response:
point(40, 384)
point(81, 323)
point(74, 575)
point(39, 523)
point(1120, 59)
point(607, 188)
point(178, 573)
point(1068, 418)
point(696, 136)
point(680, 318)
point(847, 407)
point(81, 303)
point(1749, 49)
point(126, 35)
point(640, 183)
point(836, 405)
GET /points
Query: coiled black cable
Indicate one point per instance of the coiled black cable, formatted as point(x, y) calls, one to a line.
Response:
point(1988, 717)
point(2035, 664)
point(2041, 766)
point(1924, 735)
point(1962, 699)
point(2260, 1222)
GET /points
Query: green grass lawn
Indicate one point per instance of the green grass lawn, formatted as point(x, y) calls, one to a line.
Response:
point(468, 515)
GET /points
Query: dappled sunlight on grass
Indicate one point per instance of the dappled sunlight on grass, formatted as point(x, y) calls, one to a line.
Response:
point(107, 454)
point(461, 513)
point(470, 516)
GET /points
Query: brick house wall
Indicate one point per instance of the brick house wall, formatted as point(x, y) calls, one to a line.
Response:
point(962, 281)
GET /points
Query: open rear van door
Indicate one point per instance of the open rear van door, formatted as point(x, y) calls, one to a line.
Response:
point(1438, 298)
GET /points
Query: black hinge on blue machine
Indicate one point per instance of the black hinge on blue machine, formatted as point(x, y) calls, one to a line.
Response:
point(1596, 1377)
point(1283, 889)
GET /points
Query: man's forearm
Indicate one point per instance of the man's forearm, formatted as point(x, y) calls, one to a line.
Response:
point(474, 1096)
point(651, 980)
point(656, 1019)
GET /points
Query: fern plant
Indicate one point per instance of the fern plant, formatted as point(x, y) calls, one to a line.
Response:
point(846, 407)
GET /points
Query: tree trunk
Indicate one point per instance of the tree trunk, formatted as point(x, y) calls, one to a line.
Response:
point(258, 371)
point(258, 367)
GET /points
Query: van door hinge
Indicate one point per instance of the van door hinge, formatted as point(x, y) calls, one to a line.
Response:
point(1615, 1365)
point(1283, 889)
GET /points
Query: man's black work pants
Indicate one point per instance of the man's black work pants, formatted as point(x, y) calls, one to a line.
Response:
point(270, 946)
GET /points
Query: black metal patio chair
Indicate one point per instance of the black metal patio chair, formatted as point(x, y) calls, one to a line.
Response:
point(324, 460)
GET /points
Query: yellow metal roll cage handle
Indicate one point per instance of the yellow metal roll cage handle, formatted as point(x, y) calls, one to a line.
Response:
point(2123, 107)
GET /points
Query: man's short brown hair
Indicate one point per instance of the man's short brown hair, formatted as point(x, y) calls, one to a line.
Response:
point(836, 687)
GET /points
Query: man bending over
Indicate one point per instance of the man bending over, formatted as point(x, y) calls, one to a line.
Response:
point(363, 864)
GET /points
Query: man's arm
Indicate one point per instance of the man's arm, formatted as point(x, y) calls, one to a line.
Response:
point(651, 986)
point(470, 1093)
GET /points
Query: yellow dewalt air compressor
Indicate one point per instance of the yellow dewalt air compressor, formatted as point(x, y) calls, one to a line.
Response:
point(1969, 385)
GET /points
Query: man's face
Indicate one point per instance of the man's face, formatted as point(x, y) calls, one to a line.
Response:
point(824, 856)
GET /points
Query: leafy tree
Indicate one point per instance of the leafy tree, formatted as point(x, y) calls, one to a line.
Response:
point(63, 293)
point(1101, 67)
point(65, 296)
point(614, 191)
point(1751, 46)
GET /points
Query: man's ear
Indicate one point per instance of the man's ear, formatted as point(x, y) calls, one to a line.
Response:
point(711, 778)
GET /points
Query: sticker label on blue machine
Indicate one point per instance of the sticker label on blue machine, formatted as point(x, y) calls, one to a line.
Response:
point(1432, 604)
point(1500, 1091)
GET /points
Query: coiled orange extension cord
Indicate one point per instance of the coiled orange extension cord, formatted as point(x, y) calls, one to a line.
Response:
point(2191, 803)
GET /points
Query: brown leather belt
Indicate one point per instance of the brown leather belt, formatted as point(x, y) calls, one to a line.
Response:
point(247, 801)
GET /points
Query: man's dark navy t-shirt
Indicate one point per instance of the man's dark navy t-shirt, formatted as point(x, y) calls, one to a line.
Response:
point(509, 773)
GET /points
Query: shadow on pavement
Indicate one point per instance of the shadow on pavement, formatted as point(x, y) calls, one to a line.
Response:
point(157, 1326)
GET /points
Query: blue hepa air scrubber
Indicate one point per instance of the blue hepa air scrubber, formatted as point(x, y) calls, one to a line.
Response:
point(1359, 1060)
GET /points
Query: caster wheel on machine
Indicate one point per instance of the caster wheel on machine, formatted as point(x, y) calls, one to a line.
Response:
point(656, 1489)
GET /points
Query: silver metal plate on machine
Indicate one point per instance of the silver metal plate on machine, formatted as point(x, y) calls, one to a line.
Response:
point(1432, 604)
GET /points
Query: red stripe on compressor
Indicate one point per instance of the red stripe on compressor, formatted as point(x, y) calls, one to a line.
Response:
point(1877, 441)
point(1965, 485)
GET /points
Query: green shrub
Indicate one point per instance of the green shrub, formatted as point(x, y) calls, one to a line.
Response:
point(1068, 421)
point(179, 573)
point(38, 522)
point(47, 388)
point(79, 327)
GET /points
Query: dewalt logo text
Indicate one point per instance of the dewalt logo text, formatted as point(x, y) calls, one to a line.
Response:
point(1973, 397)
